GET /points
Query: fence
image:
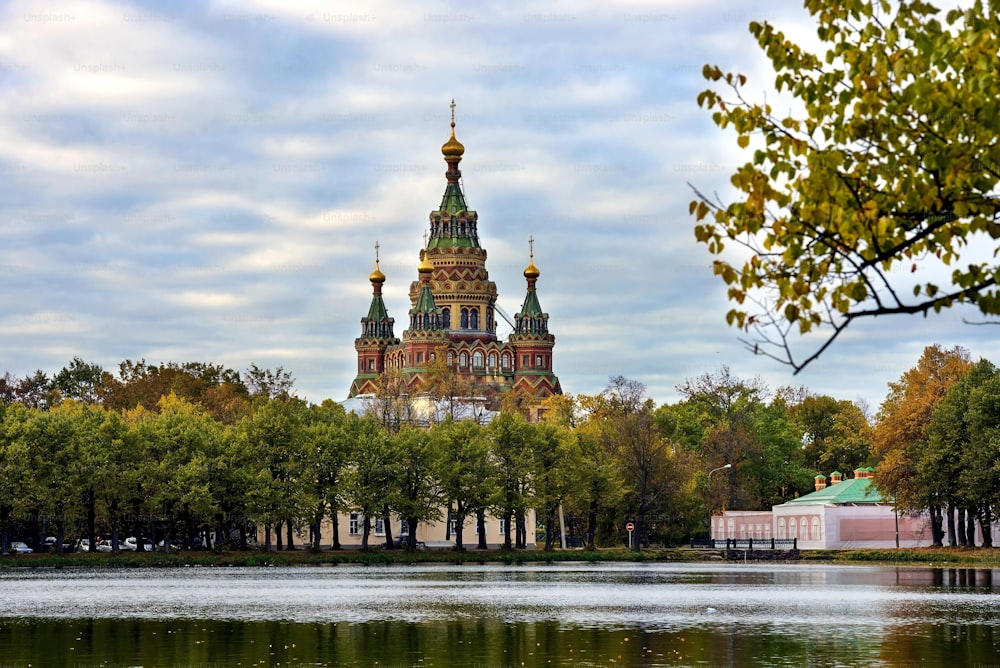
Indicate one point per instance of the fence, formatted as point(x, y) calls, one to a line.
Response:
point(745, 543)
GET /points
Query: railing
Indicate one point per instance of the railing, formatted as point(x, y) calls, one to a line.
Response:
point(746, 543)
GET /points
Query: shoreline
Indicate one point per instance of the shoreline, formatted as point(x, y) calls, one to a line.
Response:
point(931, 557)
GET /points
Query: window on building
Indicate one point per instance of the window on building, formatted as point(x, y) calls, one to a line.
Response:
point(371, 365)
point(453, 525)
point(781, 528)
point(502, 527)
point(354, 524)
point(491, 361)
point(477, 359)
point(505, 361)
point(804, 529)
point(465, 318)
point(379, 526)
point(538, 362)
point(525, 361)
point(463, 360)
point(816, 533)
point(446, 318)
point(451, 358)
point(420, 358)
point(474, 318)
point(404, 528)
point(793, 528)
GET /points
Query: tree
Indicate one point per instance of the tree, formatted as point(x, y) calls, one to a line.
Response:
point(275, 384)
point(80, 380)
point(416, 494)
point(956, 465)
point(836, 435)
point(859, 204)
point(371, 459)
point(464, 470)
point(903, 421)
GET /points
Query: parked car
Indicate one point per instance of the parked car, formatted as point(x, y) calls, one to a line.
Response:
point(83, 545)
point(132, 544)
point(18, 547)
point(50, 544)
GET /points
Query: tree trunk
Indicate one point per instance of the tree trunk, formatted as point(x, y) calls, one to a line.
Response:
point(937, 533)
point(278, 544)
point(267, 537)
point(984, 526)
point(508, 524)
point(550, 528)
point(289, 535)
point(336, 528)
point(962, 540)
point(970, 527)
point(91, 501)
point(411, 538)
point(952, 536)
point(366, 529)
point(388, 529)
point(481, 525)
point(592, 524)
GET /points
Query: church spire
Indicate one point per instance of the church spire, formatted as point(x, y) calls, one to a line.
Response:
point(425, 315)
point(531, 318)
point(453, 225)
point(377, 324)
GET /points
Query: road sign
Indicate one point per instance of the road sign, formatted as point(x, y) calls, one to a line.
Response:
point(630, 527)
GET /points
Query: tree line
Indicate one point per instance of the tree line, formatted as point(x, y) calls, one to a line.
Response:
point(174, 451)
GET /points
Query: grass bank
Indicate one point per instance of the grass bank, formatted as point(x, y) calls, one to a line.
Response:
point(334, 557)
point(944, 557)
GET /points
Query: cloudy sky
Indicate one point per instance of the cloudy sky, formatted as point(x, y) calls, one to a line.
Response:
point(205, 181)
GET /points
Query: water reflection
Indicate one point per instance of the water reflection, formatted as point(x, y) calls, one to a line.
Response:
point(577, 614)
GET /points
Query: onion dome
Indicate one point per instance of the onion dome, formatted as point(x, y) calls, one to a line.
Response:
point(452, 148)
point(425, 266)
point(531, 272)
point(377, 276)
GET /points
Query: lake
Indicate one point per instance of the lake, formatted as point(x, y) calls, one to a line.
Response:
point(497, 616)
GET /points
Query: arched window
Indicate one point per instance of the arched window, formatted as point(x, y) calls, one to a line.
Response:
point(491, 361)
point(732, 528)
point(817, 531)
point(465, 318)
point(474, 318)
point(371, 365)
point(505, 361)
point(446, 318)
point(804, 529)
point(451, 358)
point(781, 528)
point(477, 359)
point(767, 532)
point(538, 362)
point(792, 528)
point(463, 360)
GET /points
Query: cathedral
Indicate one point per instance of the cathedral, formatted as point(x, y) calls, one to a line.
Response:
point(451, 342)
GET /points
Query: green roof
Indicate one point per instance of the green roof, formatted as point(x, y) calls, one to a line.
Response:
point(853, 491)
point(453, 200)
point(531, 308)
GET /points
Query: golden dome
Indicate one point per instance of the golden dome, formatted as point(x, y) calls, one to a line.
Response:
point(531, 271)
point(425, 266)
point(452, 148)
point(377, 276)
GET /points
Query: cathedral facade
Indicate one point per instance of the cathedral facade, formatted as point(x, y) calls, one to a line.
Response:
point(451, 339)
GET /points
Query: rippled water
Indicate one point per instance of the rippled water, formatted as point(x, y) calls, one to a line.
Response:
point(571, 614)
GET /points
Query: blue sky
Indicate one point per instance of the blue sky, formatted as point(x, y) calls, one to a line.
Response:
point(193, 181)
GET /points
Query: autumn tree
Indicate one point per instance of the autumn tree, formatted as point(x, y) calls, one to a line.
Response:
point(864, 198)
point(903, 421)
point(957, 464)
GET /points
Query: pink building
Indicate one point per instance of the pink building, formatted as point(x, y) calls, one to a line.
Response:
point(842, 515)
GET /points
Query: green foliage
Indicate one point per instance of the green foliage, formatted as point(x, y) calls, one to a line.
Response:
point(886, 164)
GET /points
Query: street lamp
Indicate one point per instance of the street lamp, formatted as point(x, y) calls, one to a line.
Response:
point(724, 466)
